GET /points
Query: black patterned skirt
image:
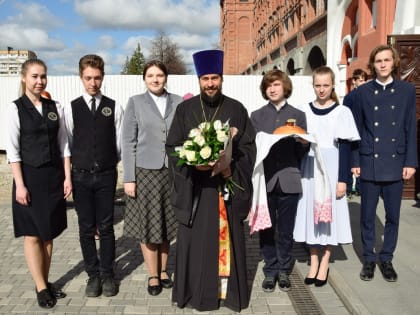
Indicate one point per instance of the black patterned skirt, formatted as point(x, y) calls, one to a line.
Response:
point(149, 217)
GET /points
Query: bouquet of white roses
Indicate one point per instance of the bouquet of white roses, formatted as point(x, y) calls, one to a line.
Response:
point(204, 143)
point(210, 144)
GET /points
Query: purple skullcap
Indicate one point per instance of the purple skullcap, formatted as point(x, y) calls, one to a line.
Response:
point(208, 62)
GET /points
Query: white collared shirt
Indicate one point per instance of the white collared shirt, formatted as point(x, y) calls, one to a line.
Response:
point(160, 101)
point(279, 105)
point(386, 83)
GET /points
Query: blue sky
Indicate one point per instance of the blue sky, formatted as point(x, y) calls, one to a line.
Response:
point(61, 31)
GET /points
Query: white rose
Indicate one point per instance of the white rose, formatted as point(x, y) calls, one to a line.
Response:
point(187, 144)
point(204, 126)
point(205, 152)
point(182, 153)
point(217, 125)
point(190, 155)
point(221, 135)
point(194, 133)
point(200, 140)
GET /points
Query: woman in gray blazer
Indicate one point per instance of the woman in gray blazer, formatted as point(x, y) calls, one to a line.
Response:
point(148, 215)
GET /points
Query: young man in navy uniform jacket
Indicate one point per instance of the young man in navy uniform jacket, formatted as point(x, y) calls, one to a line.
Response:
point(385, 113)
point(93, 124)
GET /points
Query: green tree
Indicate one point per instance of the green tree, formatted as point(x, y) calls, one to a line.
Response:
point(166, 51)
point(135, 64)
point(124, 69)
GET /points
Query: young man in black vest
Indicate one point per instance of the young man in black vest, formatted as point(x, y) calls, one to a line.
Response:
point(93, 122)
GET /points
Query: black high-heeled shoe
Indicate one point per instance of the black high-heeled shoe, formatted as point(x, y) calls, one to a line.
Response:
point(166, 283)
point(320, 283)
point(45, 299)
point(309, 281)
point(154, 289)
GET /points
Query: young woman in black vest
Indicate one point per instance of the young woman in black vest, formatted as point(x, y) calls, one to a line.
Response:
point(38, 153)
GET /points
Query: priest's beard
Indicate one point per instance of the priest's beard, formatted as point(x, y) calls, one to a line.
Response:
point(212, 101)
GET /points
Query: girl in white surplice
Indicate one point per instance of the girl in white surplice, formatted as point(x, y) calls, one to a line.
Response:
point(334, 128)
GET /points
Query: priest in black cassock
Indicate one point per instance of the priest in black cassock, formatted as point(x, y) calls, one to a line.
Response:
point(204, 280)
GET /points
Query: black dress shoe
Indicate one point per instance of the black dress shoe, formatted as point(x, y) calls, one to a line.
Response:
point(284, 282)
point(368, 271)
point(269, 284)
point(166, 283)
point(93, 286)
point(109, 286)
point(154, 289)
point(320, 283)
point(388, 271)
point(45, 299)
point(55, 292)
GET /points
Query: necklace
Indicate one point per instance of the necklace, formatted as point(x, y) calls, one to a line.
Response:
point(215, 113)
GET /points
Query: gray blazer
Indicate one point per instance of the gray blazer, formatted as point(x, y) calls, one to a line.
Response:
point(144, 134)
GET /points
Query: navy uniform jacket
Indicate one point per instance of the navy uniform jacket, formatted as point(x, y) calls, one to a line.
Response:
point(386, 119)
point(348, 100)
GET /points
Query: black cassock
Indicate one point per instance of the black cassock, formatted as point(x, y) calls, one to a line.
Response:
point(197, 247)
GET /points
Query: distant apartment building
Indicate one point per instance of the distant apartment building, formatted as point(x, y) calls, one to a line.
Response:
point(11, 61)
point(260, 35)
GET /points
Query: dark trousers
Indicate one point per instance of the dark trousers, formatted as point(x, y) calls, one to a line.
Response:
point(391, 193)
point(276, 242)
point(94, 202)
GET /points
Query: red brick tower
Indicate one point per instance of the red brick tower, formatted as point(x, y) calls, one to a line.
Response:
point(236, 38)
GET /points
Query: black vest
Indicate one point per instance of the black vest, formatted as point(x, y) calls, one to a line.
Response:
point(38, 134)
point(94, 136)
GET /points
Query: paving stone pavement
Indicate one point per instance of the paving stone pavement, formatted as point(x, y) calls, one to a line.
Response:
point(17, 294)
point(344, 293)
